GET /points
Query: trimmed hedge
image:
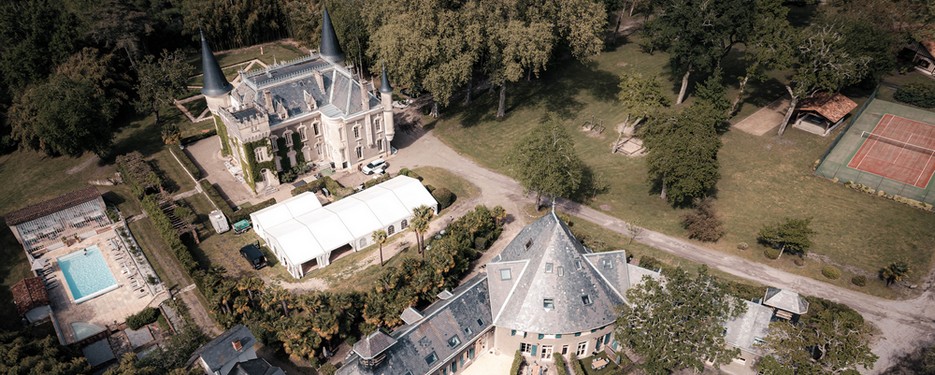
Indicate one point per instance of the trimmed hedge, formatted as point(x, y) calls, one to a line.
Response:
point(444, 197)
point(859, 280)
point(215, 197)
point(917, 94)
point(244, 213)
point(560, 364)
point(517, 363)
point(410, 173)
point(142, 318)
point(168, 233)
point(831, 272)
point(371, 182)
point(577, 366)
point(187, 162)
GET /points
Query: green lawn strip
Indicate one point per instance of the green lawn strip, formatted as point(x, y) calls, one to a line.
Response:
point(159, 256)
point(173, 172)
point(438, 177)
point(763, 178)
point(200, 128)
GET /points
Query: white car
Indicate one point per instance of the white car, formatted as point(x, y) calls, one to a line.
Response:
point(376, 166)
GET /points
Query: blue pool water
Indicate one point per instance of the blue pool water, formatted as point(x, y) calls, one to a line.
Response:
point(87, 274)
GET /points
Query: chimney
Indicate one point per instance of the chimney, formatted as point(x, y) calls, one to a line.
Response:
point(237, 345)
point(268, 101)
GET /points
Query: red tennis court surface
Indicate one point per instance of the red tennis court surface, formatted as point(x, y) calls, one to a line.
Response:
point(899, 149)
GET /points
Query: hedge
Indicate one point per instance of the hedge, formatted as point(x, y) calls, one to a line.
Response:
point(917, 94)
point(222, 134)
point(297, 146)
point(859, 280)
point(444, 197)
point(577, 366)
point(517, 363)
point(327, 182)
point(560, 364)
point(186, 161)
point(215, 197)
point(168, 233)
point(410, 173)
point(831, 272)
point(244, 213)
point(283, 153)
point(142, 318)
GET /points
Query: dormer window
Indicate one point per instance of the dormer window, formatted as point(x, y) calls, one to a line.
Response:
point(561, 271)
point(431, 358)
point(454, 341)
point(548, 268)
point(586, 299)
point(577, 264)
point(528, 243)
point(548, 303)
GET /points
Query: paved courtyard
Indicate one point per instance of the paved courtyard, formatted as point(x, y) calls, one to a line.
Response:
point(207, 154)
point(77, 321)
point(489, 363)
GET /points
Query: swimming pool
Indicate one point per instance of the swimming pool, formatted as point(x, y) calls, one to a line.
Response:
point(87, 274)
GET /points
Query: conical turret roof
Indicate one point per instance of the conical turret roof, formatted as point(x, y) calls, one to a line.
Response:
point(329, 48)
point(385, 83)
point(215, 84)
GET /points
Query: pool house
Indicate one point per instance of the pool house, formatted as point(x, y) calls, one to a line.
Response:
point(58, 222)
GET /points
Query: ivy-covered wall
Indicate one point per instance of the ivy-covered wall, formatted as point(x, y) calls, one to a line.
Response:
point(283, 153)
point(297, 146)
point(252, 168)
point(222, 133)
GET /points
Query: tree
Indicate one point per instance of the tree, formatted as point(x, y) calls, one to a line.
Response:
point(128, 366)
point(820, 62)
point(702, 223)
point(379, 238)
point(698, 33)
point(161, 81)
point(832, 341)
point(499, 214)
point(420, 224)
point(641, 97)
point(678, 324)
point(768, 46)
point(545, 162)
point(792, 235)
point(25, 354)
point(895, 272)
point(64, 117)
point(682, 152)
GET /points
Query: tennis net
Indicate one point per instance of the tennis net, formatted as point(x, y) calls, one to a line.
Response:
point(895, 142)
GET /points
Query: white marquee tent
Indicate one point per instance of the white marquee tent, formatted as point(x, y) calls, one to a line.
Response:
point(300, 230)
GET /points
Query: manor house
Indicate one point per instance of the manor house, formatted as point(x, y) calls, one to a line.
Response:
point(309, 110)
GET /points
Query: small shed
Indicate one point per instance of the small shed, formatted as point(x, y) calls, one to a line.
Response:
point(787, 303)
point(923, 56)
point(30, 294)
point(823, 112)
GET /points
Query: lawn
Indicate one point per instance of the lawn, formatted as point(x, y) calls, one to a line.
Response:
point(763, 178)
point(463, 189)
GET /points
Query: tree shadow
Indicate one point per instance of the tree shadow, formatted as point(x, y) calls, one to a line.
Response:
point(591, 186)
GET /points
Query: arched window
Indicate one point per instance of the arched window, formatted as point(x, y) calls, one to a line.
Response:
point(404, 224)
point(390, 230)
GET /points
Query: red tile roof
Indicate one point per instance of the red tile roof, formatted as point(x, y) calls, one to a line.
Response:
point(52, 205)
point(830, 106)
point(29, 294)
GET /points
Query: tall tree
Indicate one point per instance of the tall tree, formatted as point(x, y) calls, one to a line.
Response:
point(161, 81)
point(545, 162)
point(640, 97)
point(24, 354)
point(678, 324)
point(833, 341)
point(698, 33)
point(820, 62)
point(793, 235)
point(114, 24)
point(894, 272)
point(420, 224)
point(767, 47)
point(379, 238)
point(682, 152)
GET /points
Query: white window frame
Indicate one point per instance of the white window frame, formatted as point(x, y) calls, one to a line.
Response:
point(525, 347)
point(582, 349)
point(545, 352)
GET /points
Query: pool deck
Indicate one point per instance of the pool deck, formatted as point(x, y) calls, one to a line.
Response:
point(106, 309)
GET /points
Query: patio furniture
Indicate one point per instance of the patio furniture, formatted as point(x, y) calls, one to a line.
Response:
point(599, 363)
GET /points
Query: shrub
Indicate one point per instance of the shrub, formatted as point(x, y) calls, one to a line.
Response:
point(791, 235)
point(186, 161)
point(771, 253)
point(649, 262)
point(577, 365)
point(371, 182)
point(327, 369)
point(142, 318)
point(859, 280)
point(430, 188)
point(799, 261)
point(917, 94)
point(702, 223)
point(743, 246)
point(244, 213)
point(831, 272)
point(560, 364)
point(517, 363)
point(444, 197)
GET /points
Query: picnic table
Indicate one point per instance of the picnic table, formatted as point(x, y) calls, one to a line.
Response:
point(599, 363)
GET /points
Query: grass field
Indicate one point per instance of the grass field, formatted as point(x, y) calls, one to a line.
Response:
point(763, 178)
point(438, 177)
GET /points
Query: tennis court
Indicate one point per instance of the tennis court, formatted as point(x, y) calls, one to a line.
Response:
point(887, 147)
point(898, 148)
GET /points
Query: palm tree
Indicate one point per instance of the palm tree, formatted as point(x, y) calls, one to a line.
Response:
point(379, 238)
point(420, 224)
point(895, 272)
point(499, 214)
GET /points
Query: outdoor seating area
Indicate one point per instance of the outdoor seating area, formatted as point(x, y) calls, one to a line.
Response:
point(128, 267)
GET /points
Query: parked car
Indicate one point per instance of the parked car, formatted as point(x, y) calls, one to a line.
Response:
point(376, 166)
point(254, 256)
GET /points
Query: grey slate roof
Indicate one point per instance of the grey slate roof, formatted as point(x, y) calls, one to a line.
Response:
point(220, 351)
point(746, 330)
point(374, 344)
point(329, 47)
point(215, 84)
point(785, 300)
point(465, 315)
point(257, 366)
point(545, 261)
point(385, 83)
